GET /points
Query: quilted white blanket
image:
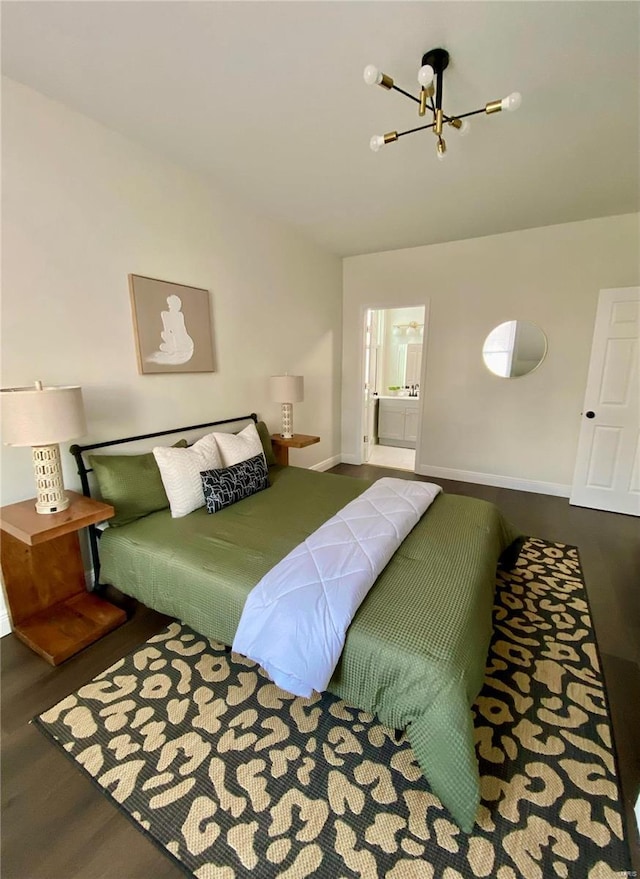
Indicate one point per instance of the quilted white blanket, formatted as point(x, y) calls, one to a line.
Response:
point(295, 620)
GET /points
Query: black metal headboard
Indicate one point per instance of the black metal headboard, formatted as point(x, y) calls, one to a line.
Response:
point(83, 471)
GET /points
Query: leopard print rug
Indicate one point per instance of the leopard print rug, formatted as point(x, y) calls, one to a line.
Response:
point(233, 777)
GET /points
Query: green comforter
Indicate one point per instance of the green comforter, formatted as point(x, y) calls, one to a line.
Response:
point(415, 652)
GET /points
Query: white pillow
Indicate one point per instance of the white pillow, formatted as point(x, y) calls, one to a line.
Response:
point(180, 471)
point(238, 447)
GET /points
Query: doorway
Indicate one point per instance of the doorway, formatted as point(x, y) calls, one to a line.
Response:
point(393, 349)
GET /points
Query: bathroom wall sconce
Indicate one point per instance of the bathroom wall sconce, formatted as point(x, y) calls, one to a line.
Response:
point(413, 328)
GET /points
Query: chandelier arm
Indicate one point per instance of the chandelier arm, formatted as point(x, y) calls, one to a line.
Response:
point(432, 107)
point(406, 94)
point(445, 118)
point(464, 115)
point(412, 130)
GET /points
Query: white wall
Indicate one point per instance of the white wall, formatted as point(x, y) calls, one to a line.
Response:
point(520, 432)
point(81, 208)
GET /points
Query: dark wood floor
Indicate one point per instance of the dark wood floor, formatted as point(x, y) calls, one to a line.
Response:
point(56, 825)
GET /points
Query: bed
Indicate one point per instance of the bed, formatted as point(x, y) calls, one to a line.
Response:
point(415, 652)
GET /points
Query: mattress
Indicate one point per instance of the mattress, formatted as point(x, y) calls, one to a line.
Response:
point(416, 649)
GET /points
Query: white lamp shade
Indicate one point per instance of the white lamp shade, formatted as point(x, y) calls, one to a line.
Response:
point(286, 388)
point(33, 417)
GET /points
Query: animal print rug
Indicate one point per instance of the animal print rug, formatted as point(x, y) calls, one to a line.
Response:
point(233, 777)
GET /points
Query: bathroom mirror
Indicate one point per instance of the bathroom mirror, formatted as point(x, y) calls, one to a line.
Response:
point(514, 348)
point(409, 364)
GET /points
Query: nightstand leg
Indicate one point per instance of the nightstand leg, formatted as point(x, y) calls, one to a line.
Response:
point(50, 608)
point(282, 455)
point(36, 577)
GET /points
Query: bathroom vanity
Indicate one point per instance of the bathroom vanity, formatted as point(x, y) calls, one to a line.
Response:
point(398, 421)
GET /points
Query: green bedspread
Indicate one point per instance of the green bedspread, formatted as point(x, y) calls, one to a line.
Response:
point(415, 652)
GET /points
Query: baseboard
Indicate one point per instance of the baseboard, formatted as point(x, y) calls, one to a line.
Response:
point(328, 464)
point(553, 488)
point(5, 624)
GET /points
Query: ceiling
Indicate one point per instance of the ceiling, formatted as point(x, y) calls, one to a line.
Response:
point(267, 99)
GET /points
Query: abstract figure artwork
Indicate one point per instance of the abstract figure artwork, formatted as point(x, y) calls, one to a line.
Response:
point(176, 345)
point(172, 326)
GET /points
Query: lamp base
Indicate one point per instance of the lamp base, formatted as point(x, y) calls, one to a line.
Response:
point(48, 474)
point(48, 508)
point(287, 421)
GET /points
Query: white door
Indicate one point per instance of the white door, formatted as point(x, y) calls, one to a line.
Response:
point(607, 473)
point(371, 348)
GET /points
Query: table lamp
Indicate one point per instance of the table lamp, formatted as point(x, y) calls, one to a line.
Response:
point(42, 417)
point(286, 389)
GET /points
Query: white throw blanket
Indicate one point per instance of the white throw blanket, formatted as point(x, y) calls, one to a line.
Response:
point(295, 620)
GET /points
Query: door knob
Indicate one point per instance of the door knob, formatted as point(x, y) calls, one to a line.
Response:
point(590, 414)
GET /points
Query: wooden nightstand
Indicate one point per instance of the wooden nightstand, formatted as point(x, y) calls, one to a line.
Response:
point(281, 445)
point(50, 608)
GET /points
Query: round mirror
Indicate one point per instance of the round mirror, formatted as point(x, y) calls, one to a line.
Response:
point(514, 348)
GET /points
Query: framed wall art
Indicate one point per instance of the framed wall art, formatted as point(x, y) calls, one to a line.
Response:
point(172, 326)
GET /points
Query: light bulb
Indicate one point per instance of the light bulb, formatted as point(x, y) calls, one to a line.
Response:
point(460, 125)
point(512, 101)
point(376, 142)
point(425, 75)
point(441, 148)
point(372, 76)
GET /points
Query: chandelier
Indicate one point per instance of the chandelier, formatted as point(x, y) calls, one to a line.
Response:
point(430, 76)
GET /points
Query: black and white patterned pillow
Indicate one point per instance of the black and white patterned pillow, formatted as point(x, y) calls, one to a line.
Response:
point(230, 484)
